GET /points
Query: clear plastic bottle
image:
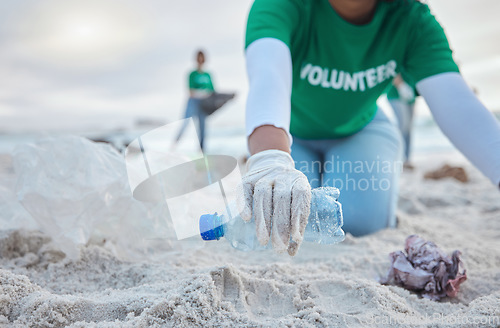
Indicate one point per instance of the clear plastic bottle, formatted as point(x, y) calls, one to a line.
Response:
point(324, 224)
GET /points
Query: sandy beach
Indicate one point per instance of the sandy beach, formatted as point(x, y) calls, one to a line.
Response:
point(78, 250)
point(193, 284)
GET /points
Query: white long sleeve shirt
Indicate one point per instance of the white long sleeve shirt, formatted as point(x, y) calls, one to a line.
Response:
point(470, 126)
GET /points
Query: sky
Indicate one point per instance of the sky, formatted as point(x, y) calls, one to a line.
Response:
point(102, 63)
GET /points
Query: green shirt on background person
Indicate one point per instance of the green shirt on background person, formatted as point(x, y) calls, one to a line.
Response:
point(200, 81)
point(394, 94)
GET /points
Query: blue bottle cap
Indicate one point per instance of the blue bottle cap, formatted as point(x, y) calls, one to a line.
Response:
point(211, 227)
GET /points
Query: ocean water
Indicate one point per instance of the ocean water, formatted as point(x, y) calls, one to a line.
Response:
point(231, 140)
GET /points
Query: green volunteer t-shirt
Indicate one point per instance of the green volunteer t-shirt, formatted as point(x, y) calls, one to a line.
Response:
point(200, 81)
point(340, 69)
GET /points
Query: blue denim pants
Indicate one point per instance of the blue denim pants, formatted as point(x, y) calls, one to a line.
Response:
point(404, 115)
point(365, 167)
point(193, 110)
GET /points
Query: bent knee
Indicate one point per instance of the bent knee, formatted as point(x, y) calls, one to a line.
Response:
point(368, 213)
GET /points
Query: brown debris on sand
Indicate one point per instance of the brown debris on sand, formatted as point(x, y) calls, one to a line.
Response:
point(445, 171)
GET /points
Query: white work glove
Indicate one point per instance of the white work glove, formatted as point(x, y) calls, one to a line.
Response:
point(406, 92)
point(280, 196)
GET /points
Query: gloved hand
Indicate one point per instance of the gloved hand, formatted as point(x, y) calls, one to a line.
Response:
point(405, 92)
point(280, 196)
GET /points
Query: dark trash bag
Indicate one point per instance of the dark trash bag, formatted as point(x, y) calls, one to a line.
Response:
point(215, 101)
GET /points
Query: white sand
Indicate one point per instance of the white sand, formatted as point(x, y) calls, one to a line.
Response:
point(215, 285)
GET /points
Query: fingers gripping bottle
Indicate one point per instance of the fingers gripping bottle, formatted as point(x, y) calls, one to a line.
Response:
point(324, 225)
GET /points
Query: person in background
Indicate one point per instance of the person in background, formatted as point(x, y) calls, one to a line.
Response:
point(316, 69)
point(200, 87)
point(401, 97)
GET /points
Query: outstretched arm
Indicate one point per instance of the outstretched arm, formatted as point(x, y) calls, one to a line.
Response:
point(267, 137)
point(274, 192)
point(269, 67)
point(464, 120)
